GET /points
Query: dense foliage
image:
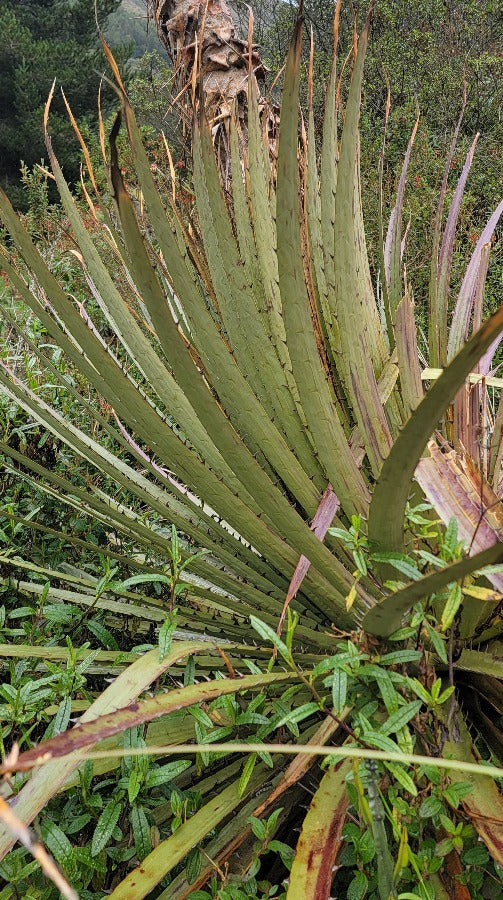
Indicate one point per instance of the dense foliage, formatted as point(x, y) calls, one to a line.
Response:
point(213, 550)
point(40, 41)
point(131, 23)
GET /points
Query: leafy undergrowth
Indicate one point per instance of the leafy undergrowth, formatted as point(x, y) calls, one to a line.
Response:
point(405, 824)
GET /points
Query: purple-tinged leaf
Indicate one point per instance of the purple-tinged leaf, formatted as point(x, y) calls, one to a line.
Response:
point(437, 232)
point(393, 248)
point(387, 245)
point(389, 241)
point(469, 409)
point(496, 452)
point(478, 298)
point(456, 489)
point(464, 306)
point(329, 506)
point(408, 356)
point(389, 499)
point(382, 265)
point(319, 841)
point(440, 310)
point(485, 364)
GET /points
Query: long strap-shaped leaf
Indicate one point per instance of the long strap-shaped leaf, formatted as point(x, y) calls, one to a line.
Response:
point(251, 420)
point(187, 516)
point(484, 804)
point(482, 662)
point(213, 618)
point(99, 366)
point(138, 345)
point(408, 356)
point(142, 880)
point(117, 721)
point(328, 186)
point(126, 521)
point(319, 213)
point(387, 509)
point(316, 245)
point(393, 258)
point(316, 394)
point(91, 550)
point(438, 323)
point(240, 598)
point(363, 350)
point(119, 389)
point(248, 338)
point(84, 446)
point(362, 340)
point(386, 617)
point(119, 471)
point(228, 837)
point(264, 284)
point(464, 304)
point(277, 508)
point(437, 234)
point(496, 454)
point(319, 842)
point(262, 205)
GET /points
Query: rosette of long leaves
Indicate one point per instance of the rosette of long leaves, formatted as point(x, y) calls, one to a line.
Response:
point(254, 393)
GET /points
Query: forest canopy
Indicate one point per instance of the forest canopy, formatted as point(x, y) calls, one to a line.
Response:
point(43, 40)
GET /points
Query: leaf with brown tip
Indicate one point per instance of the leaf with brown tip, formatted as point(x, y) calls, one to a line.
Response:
point(312, 870)
point(484, 804)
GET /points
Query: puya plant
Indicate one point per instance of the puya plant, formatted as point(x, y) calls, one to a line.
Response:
point(245, 387)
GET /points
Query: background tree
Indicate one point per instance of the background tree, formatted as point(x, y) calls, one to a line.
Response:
point(41, 39)
point(132, 23)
